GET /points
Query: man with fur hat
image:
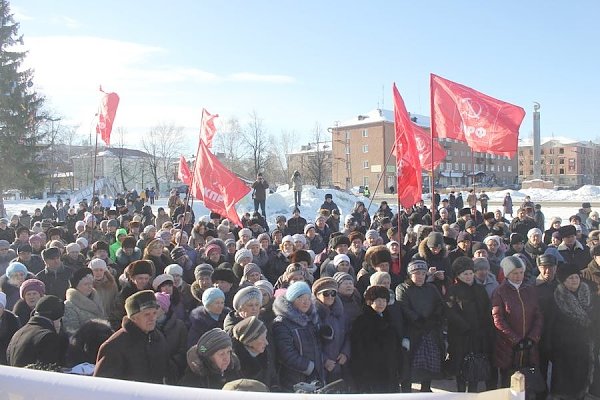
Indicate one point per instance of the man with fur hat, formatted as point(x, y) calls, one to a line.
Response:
point(55, 275)
point(138, 274)
point(522, 223)
point(39, 340)
point(377, 259)
point(433, 252)
point(573, 251)
point(136, 352)
point(338, 244)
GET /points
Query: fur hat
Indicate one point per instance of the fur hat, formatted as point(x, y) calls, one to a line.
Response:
point(128, 242)
point(510, 263)
point(50, 253)
point(246, 294)
point(323, 284)
point(566, 270)
point(50, 307)
point(97, 263)
point(223, 274)
point(464, 237)
point(462, 264)
point(100, 245)
point(532, 232)
point(248, 330)
point(300, 255)
point(470, 224)
point(356, 235)
point(377, 292)
point(244, 231)
point(161, 280)
point(417, 265)
point(266, 286)
point(32, 284)
point(339, 240)
point(516, 238)
point(212, 294)
point(547, 259)
point(554, 220)
point(371, 234)
point(211, 342)
point(464, 211)
point(140, 267)
point(377, 255)
point(567, 230)
point(478, 246)
point(79, 275)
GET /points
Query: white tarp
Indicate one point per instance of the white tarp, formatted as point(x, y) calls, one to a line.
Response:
point(24, 384)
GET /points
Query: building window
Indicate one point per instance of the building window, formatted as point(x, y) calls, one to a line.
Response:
point(493, 168)
point(464, 167)
point(456, 166)
point(561, 161)
point(509, 168)
point(561, 150)
point(366, 164)
point(448, 166)
point(365, 148)
point(347, 135)
point(561, 171)
point(365, 181)
point(365, 133)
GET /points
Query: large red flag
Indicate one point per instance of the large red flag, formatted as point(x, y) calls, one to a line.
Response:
point(106, 115)
point(208, 129)
point(183, 172)
point(423, 142)
point(485, 123)
point(219, 188)
point(407, 156)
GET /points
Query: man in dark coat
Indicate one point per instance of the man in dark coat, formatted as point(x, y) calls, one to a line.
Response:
point(136, 352)
point(573, 251)
point(295, 224)
point(38, 340)
point(6, 232)
point(55, 275)
point(259, 194)
point(523, 223)
point(329, 204)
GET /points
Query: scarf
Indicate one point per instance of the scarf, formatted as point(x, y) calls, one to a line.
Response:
point(575, 305)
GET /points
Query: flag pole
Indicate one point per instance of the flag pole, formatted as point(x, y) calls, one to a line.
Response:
point(433, 132)
point(94, 175)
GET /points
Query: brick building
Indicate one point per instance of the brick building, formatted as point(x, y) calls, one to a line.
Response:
point(564, 161)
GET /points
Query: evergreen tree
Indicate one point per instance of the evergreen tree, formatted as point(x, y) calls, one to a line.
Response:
point(22, 119)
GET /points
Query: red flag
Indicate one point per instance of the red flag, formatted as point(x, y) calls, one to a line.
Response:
point(423, 142)
point(219, 188)
point(208, 130)
point(407, 156)
point(485, 123)
point(183, 172)
point(106, 115)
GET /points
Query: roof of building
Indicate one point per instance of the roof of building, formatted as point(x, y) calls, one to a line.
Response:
point(554, 141)
point(313, 148)
point(117, 152)
point(379, 115)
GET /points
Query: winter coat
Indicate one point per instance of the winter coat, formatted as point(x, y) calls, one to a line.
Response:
point(49, 212)
point(22, 311)
point(352, 308)
point(439, 261)
point(79, 309)
point(334, 317)
point(490, 283)
point(118, 308)
point(123, 260)
point(534, 251)
point(37, 341)
point(201, 322)
point(12, 292)
point(295, 225)
point(277, 266)
point(507, 203)
point(133, 355)
point(34, 265)
point(470, 326)
point(107, 292)
point(9, 325)
point(592, 274)
point(8, 234)
point(57, 282)
point(260, 367)
point(578, 255)
point(260, 190)
point(297, 344)
point(160, 263)
point(571, 340)
point(522, 226)
point(201, 373)
point(517, 316)
point(296, 182)
point(376, 353)
point(547, 238)
point(175, 333)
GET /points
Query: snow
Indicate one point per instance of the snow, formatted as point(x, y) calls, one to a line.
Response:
point(559, 140)
point(379, 115)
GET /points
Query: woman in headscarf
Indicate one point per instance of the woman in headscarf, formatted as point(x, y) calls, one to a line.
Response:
point(82, 303)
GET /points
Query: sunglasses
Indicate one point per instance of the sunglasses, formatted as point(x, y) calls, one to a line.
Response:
point(329, 293)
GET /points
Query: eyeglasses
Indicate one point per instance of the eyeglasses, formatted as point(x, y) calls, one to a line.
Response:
point(329, 293)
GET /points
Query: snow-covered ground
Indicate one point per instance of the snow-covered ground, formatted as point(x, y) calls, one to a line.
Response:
point(282, 202)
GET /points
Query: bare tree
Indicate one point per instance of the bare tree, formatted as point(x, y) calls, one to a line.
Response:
point(227, 141)
point(284, 145)
point(123, 170)
point(316, 166)
point(257, 141)
point(163, 144)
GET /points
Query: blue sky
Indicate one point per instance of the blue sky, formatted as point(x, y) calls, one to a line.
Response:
point(297, 63)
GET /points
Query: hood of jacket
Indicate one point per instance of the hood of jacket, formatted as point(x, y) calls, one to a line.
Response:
point(426, 253)
point(285, 309)
point(92, 304)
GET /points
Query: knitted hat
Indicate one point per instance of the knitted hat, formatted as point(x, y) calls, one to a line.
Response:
point(224, 274)
point(417, 265)
point(50, 307)
point(212, 247)
point(79, 224)
point(339, 240)
point(567, 230)
point(547, 260)
point(371, 234)
point(244, 231)
point(296, 290)
point(478, 246)
point(462, 264)
point(435, 239)
point(203, 270)
point(377, 292)
point(377, 255)
point(307, 227)
point(50, 253)
point(480, 263)
point(164, 235)
point(378, 277)
point(510, 263)
point(266, 286)
point(299, 238)
point(241, 254)
point(163, 300)
point(532, 232)
point(565, 271)
point(299, 256)
point(32, 284)
point(248, 330)
point(323, 284)
point(246, 294)
point(212, 294)
point(82, 242)
point(342, 276)
point(140, 267)
point(339, 258)
point(15, 267)
point(73, 248)
point(464, 237)
point(212, 341)
point(287, 238)
point(78, 276)
point(470, 224)
point(174, 269)
point(148, 228)
point(250, 268)
point(161, 280)
point(140, 301)
point(556, 235)
point(229, 242)
point(97, 263)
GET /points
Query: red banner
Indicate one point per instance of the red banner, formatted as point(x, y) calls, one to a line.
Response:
point(423, 142)
point(407, 156)
point(486, 124)
point(208, 129)
point(219, 188)
point(183, 172)
point(106, 115)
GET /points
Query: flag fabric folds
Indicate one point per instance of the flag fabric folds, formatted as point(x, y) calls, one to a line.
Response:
point(208, 129)
point(219, 188)
point(408, 163)
point(183, 172)
point(423, 142)
point(486, 124)
point(106, 115)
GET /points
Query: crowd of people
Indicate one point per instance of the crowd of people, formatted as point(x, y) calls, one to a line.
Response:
point(112, 290)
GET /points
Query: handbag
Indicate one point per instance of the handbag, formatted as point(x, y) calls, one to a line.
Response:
point(475, 367)
point(534, 380)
